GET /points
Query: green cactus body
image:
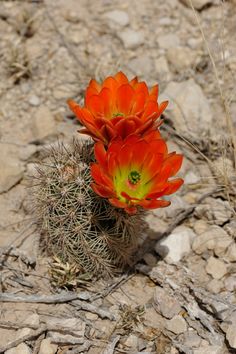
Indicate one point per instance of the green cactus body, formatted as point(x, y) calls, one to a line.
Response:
point(77, 225)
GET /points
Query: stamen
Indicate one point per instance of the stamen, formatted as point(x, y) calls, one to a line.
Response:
point(134, 177)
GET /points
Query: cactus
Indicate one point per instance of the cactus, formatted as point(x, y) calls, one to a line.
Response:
point(77, 225)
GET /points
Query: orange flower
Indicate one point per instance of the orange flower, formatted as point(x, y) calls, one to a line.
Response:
point(117, 108)
point(135, 172)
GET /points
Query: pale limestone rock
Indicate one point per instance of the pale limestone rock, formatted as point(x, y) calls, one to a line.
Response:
point(214, 238)
point(167, 41)
point(12, 169)
point(188, 107)
point(20, 349)
point(181, 58)
point(165, 304)
point(131, 39)
point(216, 268)
point(176, 325)
point(176, 245)
point(116, 17)
point(47, 347)
point(231, 335)
point(43, 123)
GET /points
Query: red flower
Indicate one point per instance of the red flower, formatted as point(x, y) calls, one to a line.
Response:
point(117, 108)
point(135, 172)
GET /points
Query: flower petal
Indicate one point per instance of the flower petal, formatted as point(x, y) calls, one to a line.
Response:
point(124, 99)
point(102, 191)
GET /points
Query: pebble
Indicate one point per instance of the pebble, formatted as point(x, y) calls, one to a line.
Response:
point(141, 66)
point(165, 304)
point(216, 211)
point(34, 100)
point(43, 123)
point(47, 347)
point(131, 39)
point(214, 238)
point(131, 341)
point(230, 283)
point(215, 286)
point(176, 325)
point(231, 252)
point(20, 349)
point(231, 335)
point(191, 339)
point(117, 17)
point(216, 268)
point(181, 58)
point(197, 4)
point(210, 349)
point(12, 169)
point(175, 246)
point(188, 107)
point(167, 41)
point(162, 69)
point(191, 178)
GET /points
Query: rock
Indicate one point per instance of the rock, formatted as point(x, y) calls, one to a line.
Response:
point(215, 210)
point(47, 347)
point(188, 108)
point(216, 268)
point(197, 4)
point(176, 245)
point(162, 69)
point(214, 238)
point(117, 17)
point(177, 204)
point(191, 178)
point(210, 349)
point(230, 228)
point(181, 58)
point(43, 124)
point(20, 349)
point(165, 304)
point(191, 339)
point(141, 66)
point(74, 325)
point(176, 325)
point(64, 339)
point(34, 100)
point(167, 41)
point(12, 169)
point(231, 335)
point(131, 341)
point(230, 283)
point(28, 151)
point(231, 252)
point(215, 286)
point(200, 226)
point(131, 39)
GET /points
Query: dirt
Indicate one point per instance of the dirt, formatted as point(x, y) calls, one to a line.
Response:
point(49, 51)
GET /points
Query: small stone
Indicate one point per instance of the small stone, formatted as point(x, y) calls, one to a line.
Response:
point(43, 123)
point(230, 283)
point(91, 316)
point(34, 100)
point(47, 347)
point(167, 41)
point(176, 325)
point(215, 286)
point(117, 17)
point(74, 325)
point(64, 339)
point(165, 304)
point(210, 349)
point(162, 69)
point(181, 58)
point(131, 341)
point(193, 115)
point(20, 349)
point(192, 339)
point(197, 4)
point(231, 252)
point(200, 226)
point(131, 39)
point(142, 65)
point(216, 268)
point(12, 169)
point(214, 238)
point(230, 228)
point(191, 178)
point(231, 335)
point(175, 246)
point(215, 210)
